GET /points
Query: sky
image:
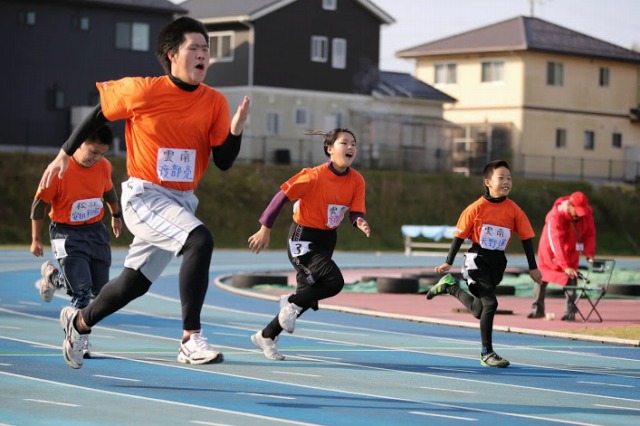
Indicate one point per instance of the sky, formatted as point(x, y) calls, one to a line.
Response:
point(424, 21)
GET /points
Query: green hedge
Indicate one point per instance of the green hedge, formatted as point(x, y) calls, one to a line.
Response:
point(231, 203)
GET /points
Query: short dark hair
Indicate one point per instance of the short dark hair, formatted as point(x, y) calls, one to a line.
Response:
point(103, 136)
point(172, 36)
point(330, 136)
point(490, 168)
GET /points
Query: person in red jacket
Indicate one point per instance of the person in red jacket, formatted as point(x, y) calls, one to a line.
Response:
point(568, 231)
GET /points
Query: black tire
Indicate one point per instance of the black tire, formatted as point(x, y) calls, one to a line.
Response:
point(250, 280)
point(624, 289)
point(505, 290)
point(397, 285)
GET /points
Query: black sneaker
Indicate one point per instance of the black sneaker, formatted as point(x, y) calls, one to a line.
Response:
point(441, 287)
point(535, 315)
point(492, 359)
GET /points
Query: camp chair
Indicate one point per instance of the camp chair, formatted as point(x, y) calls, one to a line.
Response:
point(592, 287)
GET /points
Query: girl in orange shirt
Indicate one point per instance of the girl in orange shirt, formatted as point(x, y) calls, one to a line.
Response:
point(489, 223)
point(324, 194)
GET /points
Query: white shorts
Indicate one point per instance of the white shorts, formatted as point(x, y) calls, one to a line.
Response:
point(160, 220)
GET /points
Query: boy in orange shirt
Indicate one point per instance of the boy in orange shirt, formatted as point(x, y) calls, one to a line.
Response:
point(489, 223)
point(79, 239)
point(324, 194)
point(174, 125)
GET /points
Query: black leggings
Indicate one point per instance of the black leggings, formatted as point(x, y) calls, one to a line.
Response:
point(131, 284)
point(317, 275)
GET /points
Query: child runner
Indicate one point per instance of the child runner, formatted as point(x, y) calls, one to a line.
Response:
point(489, 223)
point(174, 125)
point(79, 239)
point(324, 194)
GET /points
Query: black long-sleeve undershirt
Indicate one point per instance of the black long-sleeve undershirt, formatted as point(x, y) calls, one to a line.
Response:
point(223, 155)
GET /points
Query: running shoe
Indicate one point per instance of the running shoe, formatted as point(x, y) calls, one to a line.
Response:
point(86, 349)
point(442, 287)
point(47, 285)
point(74, 342)
point(268, 346)
point(492, 359)
point(197, 351)
point(288, 314)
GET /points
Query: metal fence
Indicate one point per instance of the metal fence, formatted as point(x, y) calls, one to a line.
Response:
point(308, 151)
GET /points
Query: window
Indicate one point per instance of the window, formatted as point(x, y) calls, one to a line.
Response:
point(604, 77)
point(301, 117)
point(339, 53)
point(55, 98)
point(329, 4)
point(273, 123)
point(589, 140)
point(27, 18)
point(221, 46)
point(492, 71)
point(319, 49)
point(555, 74)
point(445, 74)
point(561, 138)
point(132, 36)
point(616, 140)
point(81, 23)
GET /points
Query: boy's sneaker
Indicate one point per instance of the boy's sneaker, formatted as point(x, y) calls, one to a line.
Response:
point(441, 287)
point(492, 359)
point(288, 314)
point(74, 342)
point(86, 349)
point(268, 346)
point(197, 351)
point(47, 284)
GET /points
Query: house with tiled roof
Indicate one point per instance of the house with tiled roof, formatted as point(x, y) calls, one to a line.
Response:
point(315, 64)
point(55, 52)
point(556, 102)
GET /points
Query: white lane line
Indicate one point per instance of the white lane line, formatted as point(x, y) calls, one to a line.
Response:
point(606, 384)
point(616, 407)
point(460, 370)
point(420, 413)
point(290, 373)
point(117, 378)
point(265, 395)
point(44, 401)
point(156, 400)
point(446, 390)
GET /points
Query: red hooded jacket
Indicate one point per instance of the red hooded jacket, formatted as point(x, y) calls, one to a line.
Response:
point(558, 249)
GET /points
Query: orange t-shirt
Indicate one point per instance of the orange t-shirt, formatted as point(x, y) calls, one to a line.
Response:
point(491, 225)
point(77, 198)
point(169, 132)
point(324, 197)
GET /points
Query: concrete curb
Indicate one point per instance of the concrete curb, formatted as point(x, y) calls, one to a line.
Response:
point(221, 282)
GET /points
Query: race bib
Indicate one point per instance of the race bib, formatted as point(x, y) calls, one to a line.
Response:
point(335, 214)
point(83, 210)
point(494, 237)
point(299, 248)
point(176, 165)
point(57, 246)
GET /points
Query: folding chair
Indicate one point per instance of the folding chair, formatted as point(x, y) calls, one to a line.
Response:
point(592, 287)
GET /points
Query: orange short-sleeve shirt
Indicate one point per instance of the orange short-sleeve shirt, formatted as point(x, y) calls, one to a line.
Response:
point(169, 132)
point(491, 225)
point(324, 197)
point(77, 199)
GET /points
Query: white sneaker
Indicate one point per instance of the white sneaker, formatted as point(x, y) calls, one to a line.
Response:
point(74, 342)
point(268, 346)
point(288, 314)
point(86, 349)
point(47, 286)
point(197, 350)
